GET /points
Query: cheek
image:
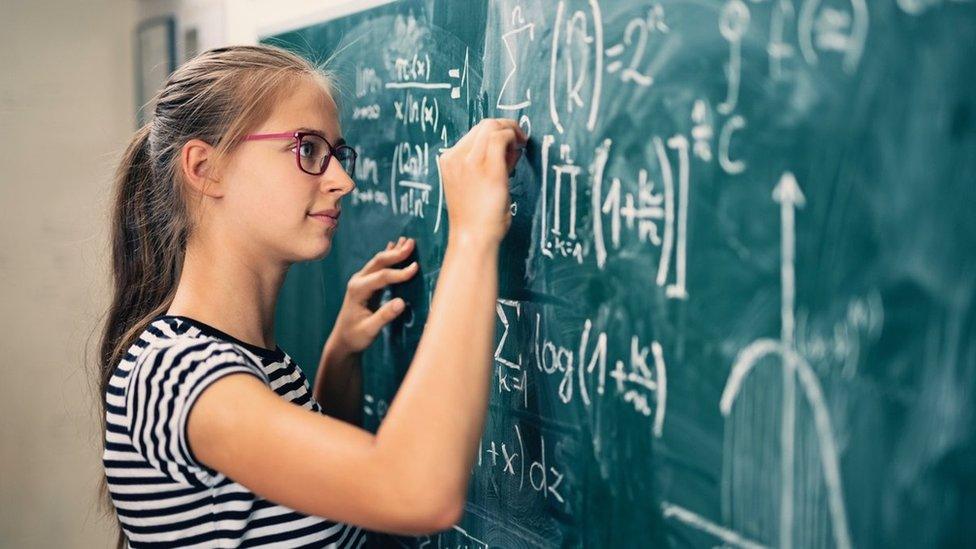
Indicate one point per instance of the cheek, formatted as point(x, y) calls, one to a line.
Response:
point(279, 212)
point(268, 207)
point(275, 196)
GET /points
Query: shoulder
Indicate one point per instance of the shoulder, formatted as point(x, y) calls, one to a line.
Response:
point(181, 365)
point(169, 376)
point(178, 350)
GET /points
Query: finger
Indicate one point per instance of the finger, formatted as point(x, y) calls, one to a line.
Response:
point(475, 141)
point(502, 124)
point(513, 134)
point(367, 284)
point(395, 254)
point(501, 145)
point(523, 138)
point(383, 316)
point(482, 132)
point(469, 141)
point(386, 258)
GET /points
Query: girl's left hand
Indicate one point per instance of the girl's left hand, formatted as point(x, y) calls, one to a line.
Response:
point(360, 319)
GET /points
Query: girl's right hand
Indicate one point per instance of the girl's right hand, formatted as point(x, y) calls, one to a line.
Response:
point(474, 174)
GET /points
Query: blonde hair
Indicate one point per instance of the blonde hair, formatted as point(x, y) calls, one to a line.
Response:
point(218, 97)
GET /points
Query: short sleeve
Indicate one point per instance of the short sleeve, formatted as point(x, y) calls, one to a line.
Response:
point(164, 386)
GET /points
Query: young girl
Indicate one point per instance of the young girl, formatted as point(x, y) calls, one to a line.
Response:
point(212, 438)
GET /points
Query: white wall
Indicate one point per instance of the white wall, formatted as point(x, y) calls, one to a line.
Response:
point(224, 22)
point(66, 111)
point(248, 20)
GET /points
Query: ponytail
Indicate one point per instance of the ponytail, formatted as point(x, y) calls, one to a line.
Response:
point(147, 248)
point(145, 266)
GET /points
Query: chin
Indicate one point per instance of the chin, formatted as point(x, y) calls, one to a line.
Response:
point(323, 251)
point(311, 253)
point(314, 246)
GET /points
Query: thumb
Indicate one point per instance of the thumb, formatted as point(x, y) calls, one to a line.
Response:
point(384, 315)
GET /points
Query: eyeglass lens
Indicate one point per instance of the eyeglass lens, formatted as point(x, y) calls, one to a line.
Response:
point(314, 154)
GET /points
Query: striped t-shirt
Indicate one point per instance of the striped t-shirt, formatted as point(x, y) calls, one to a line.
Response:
point(165, 497)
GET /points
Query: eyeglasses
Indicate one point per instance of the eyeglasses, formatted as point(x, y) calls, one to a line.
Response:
point(313, 152)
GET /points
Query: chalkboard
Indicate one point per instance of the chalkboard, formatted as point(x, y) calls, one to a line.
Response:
point(737, 302)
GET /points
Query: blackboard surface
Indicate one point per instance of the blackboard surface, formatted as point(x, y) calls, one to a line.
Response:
point(738, 301)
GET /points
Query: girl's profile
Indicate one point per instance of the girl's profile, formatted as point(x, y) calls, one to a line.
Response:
point(213, 436)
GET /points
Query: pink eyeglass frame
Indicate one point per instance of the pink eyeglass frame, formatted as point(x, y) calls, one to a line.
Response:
point(297, 136)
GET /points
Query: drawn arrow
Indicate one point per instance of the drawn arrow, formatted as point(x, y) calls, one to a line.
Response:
point(795, 369)
point(787, 193)
point(789, 196)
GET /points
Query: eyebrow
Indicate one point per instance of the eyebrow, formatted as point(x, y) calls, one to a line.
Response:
point(340, 141)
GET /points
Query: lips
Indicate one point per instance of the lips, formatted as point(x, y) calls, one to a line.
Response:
point(327, 219)
point(331, 212)
point(330, 217)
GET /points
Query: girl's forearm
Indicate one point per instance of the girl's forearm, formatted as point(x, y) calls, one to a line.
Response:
point(338, 385)
point(435, 422)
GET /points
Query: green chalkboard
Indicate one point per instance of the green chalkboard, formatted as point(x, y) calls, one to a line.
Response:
point(738, 300)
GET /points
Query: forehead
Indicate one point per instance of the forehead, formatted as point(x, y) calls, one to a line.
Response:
point(308, 106)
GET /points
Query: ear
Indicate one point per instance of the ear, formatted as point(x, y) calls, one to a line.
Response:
point(197, 166)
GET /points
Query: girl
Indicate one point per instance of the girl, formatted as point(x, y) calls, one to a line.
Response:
point(211, 435)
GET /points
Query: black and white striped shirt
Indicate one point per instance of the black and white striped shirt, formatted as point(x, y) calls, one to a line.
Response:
point(163, 495)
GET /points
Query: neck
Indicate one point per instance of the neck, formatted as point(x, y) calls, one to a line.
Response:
point(231, 288)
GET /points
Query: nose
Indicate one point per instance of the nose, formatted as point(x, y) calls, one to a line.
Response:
point(335, 179)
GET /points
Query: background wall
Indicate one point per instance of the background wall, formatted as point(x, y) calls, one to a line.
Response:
point(67, 110)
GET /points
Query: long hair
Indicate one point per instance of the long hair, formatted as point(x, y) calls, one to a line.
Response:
point(218, 97)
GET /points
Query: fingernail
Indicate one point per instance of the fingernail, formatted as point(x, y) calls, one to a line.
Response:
point(398, 305)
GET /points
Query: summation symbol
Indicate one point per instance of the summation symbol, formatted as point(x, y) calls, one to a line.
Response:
point(525, 32)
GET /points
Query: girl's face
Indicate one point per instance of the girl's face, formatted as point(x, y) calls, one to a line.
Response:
point(269, 200)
